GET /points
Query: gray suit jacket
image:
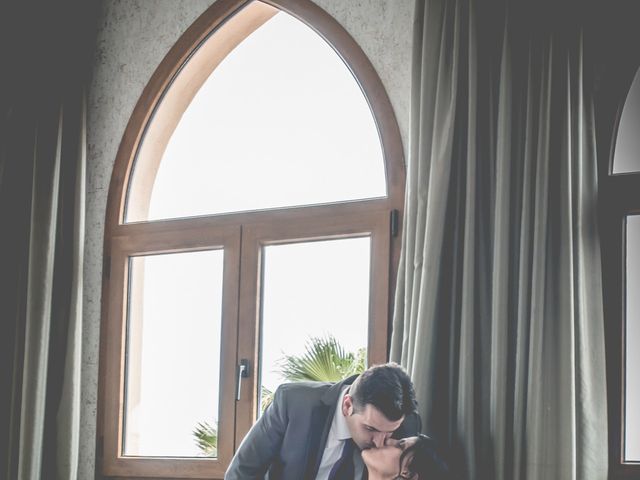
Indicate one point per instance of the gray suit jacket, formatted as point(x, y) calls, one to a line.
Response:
point(289, 438)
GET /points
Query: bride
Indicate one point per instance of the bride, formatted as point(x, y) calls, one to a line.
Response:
point(412, 458)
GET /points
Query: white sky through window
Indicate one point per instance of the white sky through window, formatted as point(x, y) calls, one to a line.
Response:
point(174, 351)
point(632, 400)
point(313, 289)
point(280, 122)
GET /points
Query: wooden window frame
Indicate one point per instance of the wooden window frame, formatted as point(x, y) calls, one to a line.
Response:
point(373, 223)
point(618, 198)
point(239, 234)
point(174, 239)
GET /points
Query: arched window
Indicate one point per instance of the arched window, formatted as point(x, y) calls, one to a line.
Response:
point(254, 206)
point(620, 219)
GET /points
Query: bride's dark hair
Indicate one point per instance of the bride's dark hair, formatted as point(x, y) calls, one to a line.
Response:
point(425, 462)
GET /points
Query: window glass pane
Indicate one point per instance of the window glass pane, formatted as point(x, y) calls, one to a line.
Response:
point(280, 122)
point(627, 153)
point(173, 353)
point(314, 290)
point(632, 400)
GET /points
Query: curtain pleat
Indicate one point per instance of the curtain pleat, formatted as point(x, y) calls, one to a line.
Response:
point(47, 357)
point(43, 219)
point(68, 419)
point(42, 198)
point(498, 313)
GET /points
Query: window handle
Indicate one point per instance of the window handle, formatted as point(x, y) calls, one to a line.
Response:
point(243, 372)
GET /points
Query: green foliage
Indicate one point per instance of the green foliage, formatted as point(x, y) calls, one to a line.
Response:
point(324, 360)
point(267, 398)
point(207, 439)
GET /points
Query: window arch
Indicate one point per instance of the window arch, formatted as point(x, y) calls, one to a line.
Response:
point(167, 327)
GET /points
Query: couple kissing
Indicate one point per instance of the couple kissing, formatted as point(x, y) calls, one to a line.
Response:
point(364, 427)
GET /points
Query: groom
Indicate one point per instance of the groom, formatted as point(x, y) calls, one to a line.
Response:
point(315, 431)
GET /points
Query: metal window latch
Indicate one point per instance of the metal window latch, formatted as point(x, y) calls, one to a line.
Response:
point(243, 372)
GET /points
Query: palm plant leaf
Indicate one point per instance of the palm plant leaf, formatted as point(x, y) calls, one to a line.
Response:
point(206, 437)
point(324, 360)
point(266, 398)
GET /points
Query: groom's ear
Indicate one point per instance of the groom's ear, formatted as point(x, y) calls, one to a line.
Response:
point(347, 405)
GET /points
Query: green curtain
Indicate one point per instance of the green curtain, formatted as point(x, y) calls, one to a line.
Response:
point(46, 52)
point(498, 312)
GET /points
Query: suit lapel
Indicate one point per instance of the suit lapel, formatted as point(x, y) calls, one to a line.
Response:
point(321, 419)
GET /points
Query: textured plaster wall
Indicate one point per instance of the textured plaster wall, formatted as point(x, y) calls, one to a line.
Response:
point(133, 38)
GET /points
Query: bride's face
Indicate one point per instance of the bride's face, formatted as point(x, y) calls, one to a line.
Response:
point(385, 461)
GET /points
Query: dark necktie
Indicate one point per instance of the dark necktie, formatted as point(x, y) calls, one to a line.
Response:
point(343, 468)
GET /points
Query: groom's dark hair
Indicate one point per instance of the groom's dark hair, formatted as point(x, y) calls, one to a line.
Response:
point(388, 388)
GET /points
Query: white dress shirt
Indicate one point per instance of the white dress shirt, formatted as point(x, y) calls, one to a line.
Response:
point(338, 433)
